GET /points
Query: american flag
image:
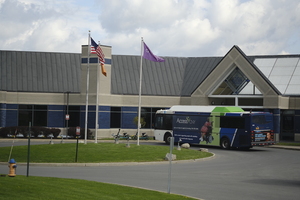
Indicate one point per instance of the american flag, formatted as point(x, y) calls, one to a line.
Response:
point(93, 51)
point(96, 49)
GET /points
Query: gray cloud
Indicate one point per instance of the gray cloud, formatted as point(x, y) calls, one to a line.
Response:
point(169, 27)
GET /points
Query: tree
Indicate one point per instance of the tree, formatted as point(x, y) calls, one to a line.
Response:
point(143, 122)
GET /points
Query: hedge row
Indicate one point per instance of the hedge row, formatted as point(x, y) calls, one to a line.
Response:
point(36, 131)
point(72, 132)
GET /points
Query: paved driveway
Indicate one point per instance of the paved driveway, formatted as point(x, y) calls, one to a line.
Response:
point(261, 173)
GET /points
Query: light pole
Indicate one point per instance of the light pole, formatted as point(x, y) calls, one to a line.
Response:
point(67, 114)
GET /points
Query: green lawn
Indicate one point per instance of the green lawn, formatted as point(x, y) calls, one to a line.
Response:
point(57, 188)
point(96, 153)
point(22, 187)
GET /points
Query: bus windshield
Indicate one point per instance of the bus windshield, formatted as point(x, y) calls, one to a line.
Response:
point(163, 122)
point(262, 120)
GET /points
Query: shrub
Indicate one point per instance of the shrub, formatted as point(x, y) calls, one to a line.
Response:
point(24, 130)
point(5, 131)
point(142, 121)
point(54, 131)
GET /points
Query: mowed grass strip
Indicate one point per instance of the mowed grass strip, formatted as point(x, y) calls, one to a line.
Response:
point(96, 153)
point(21, 187)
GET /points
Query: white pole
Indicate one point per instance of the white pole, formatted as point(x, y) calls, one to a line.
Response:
point(140, 94)
point(12, 145)
point(87, 89)
point(170, 163)
point(97, 102)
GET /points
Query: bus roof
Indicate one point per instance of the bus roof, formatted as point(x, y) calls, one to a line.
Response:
point(221, 109)
point(228, 109)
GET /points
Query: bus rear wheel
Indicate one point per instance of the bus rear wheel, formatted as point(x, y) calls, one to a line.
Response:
point(167, 138)
point(225, 144)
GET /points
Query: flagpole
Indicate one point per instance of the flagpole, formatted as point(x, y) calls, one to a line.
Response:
point(97, 103)
point(87, 89)
point(140, 95)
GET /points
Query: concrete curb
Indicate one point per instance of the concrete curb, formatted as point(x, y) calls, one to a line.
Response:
point(72, 140)
point(284, 147)
point(110, 164)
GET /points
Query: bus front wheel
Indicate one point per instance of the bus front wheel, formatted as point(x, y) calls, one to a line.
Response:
point(225, 144)
point(167, 138)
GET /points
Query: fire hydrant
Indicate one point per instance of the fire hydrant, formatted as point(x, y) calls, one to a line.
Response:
point(12, 168)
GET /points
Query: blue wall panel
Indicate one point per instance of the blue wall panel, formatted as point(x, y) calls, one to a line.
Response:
point(91, 120)
point(104, 108)
point(8, 115)
point(104, 120)
point(11, 118)
point(95, 60)
point(127, 117)
point(12, 106)
point(56, 107)
point(127, 120)
point(91, 117)
point(2, 114)
point(56, 119)
point(130, 109)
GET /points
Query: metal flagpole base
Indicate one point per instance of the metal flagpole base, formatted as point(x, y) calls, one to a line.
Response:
point(51, 142)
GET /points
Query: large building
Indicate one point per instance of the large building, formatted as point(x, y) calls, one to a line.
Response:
point(42, 87)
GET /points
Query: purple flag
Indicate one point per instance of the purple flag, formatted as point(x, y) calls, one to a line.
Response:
point(150, 56)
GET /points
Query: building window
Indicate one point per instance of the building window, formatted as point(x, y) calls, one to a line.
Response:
point(115, 117)
point(233, 84)
point(74, 114)
point(146, 115)
point(36, 114)
point(287, 125)
point(149, 116)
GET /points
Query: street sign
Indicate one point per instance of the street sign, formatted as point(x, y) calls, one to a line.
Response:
point(77, 130)
point(77, 136)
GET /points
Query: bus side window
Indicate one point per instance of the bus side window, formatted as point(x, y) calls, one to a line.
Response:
point(232, 122)
point(168, 122)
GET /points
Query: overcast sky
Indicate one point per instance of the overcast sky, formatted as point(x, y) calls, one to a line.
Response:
point(181, 28)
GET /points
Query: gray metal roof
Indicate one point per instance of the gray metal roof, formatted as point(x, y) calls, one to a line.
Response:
point(174, 77)
point(177, 76)
point(39, 71)
point(196, 71)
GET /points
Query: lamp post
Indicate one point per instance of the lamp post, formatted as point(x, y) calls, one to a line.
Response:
point(67, 115)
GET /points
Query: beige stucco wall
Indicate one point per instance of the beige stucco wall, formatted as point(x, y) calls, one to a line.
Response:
point(104, 81)
point(31, 98)
point(105, 97)
point(294, 103)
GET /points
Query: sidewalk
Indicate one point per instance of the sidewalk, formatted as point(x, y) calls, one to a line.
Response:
point(285, 147)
